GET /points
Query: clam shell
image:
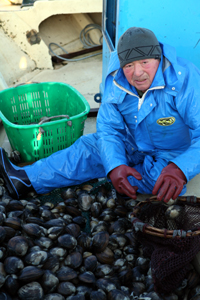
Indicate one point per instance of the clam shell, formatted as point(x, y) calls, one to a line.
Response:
point(32, 207)
point(54, 232)
point(32, 229)
point(111, 203)
point(14, 205)
point(118, 294)
point(35, 220)
point(67, 241)
point(85, 241)
point(80, 220)
point(100, 295)
point(71, 202)
point(31, 291)
point(106, 256)
point(120, 239)
point(108, 215)
point(54, 296)
point(52, 263)
point(16, 213)
point(55, 223)
point(2, 218)
point(12, 284)
point(36, 258)
point(100, 241)
point(13, 222)
point(13, 264)
point(10, 232)
point(73, 229)
point(87, 277)
point(96, 209)
point(2, 252)
point(68, 193)
point(101, 198)
point(2, 274)
point(49, 281)
point(137, 275)
point(74, 260)
point(59, 252)
point(73, 211)
point(18, 246)
point(121, 211)
point(125, 276)
point(84, 290)
point(30, 273)
point(66, 288)
point(137, 288)
point(101, 226)
point(2, 234)
point(90, 263)
point(104, 270)
point(46, 213)
point(105, 284)
point(44, 243)
point(66, 274)
point(85, 201)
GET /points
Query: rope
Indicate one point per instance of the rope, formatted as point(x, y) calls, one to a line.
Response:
point(85, 40)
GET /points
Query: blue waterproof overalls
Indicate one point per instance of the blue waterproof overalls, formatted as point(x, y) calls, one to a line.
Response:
point(165, 128)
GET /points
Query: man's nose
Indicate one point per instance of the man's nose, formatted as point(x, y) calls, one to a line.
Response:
point(138, 70)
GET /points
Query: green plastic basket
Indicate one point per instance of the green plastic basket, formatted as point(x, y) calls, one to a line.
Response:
point(21, 110)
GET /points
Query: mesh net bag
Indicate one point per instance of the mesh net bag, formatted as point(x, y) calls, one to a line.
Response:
point(170, 237)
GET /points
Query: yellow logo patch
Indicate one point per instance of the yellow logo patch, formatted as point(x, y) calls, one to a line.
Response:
point(166, 121)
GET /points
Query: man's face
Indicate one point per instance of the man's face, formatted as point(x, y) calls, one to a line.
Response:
point(141, 73)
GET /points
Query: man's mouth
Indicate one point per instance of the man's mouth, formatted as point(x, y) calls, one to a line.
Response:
point(140, 81)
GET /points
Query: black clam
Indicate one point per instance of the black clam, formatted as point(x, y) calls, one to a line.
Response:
point(32, 229)
point(100, 241)
point(13, 264)
point(12, 284)
point(18, 246)
point(31, 291)
point(67, 241)
point(36, 258)
point(48, 252)
point(54, 296)
point(30, 273)
point(66, 274)
point(74, 260)
point(49, 281)
point(85, 201)
point(66, 288)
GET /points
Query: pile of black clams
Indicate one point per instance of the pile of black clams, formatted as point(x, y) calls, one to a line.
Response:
point(80, 248)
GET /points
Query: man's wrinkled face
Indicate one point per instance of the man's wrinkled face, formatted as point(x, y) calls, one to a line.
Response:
point(141, 73)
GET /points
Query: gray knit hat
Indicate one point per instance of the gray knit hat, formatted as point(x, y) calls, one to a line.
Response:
point(137, 43)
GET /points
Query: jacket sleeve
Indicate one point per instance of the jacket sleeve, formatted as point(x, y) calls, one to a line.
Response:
point(188, 106)
point(111, 133)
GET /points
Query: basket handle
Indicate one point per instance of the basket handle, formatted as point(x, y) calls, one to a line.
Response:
point(29, 82)
point(46, 119)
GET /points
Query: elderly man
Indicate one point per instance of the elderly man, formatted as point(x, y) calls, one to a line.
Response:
point(148, 128)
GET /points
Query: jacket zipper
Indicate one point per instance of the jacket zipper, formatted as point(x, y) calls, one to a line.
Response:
point(141, 100)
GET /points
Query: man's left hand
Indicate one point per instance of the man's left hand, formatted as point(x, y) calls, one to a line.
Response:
point(170, 183)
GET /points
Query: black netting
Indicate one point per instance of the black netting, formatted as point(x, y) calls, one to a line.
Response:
point(155, 215)
point(170, 257)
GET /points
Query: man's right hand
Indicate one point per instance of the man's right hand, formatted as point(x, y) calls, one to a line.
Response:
point(119, 175)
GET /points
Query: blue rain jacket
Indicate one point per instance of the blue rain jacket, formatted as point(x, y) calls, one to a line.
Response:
point(165, 129)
